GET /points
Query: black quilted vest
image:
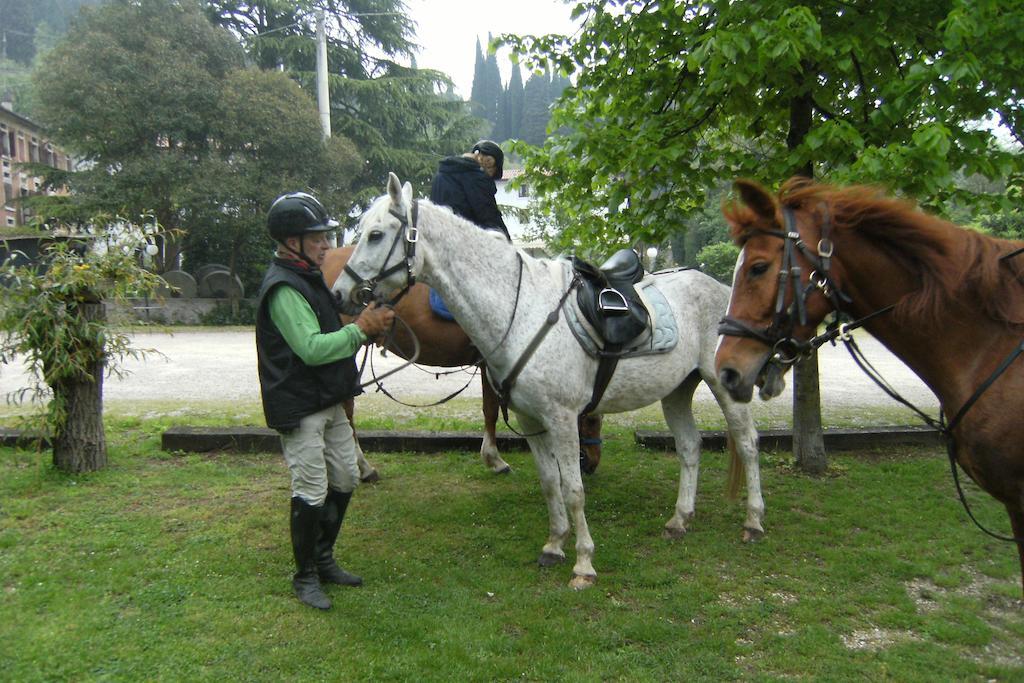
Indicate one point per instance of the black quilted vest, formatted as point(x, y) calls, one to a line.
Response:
point(291, 389)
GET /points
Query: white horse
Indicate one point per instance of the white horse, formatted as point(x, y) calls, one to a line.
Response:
point(478, 275)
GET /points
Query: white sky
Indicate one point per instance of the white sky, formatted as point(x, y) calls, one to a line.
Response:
point(447, 30)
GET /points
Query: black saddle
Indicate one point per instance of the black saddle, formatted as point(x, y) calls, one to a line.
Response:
point(608, 300)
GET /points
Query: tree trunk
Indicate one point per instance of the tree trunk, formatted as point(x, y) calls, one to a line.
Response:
point(79, 444)
point(808, 440)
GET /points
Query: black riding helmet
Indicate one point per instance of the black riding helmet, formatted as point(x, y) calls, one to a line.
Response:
point(491, 149)
point(296, 214)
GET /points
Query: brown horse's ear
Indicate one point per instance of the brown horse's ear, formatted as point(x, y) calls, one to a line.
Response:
point(756, 197)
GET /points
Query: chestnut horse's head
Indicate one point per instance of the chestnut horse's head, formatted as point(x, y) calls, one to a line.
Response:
point(784, 261)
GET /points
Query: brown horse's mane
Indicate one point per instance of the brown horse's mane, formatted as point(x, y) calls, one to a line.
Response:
point(951, 262)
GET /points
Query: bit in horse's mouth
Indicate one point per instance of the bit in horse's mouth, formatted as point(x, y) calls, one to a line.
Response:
point(770, 381)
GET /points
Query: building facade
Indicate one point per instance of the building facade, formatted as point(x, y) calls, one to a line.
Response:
point(22, 141)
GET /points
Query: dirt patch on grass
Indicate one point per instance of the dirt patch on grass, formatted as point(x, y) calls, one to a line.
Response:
point(874, 639)
point(1003, 614)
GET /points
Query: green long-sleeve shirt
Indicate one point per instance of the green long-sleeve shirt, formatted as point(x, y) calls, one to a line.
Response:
point(297, 322)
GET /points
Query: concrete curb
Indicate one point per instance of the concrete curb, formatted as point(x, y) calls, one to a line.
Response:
point(835, 439)
point(263, 440)
point(13, 438)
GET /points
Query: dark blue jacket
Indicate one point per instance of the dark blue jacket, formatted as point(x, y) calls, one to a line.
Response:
point(462, 185)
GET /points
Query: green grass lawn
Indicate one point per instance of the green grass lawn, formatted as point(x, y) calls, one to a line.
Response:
point(170, 567)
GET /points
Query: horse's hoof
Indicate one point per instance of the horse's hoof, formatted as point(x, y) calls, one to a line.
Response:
point(673, 533)
point(582, 581)
point(507, 469)
point(550, 559)
point(372, 478)
point(752, 535)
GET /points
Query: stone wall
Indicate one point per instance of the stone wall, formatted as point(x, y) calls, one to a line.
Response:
point(167, 311)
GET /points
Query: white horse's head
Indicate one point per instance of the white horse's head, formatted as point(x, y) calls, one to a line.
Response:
point(385, 255)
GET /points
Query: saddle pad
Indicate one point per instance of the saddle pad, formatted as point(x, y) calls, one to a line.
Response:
point(660, 337)
point(664, 330)
point(438, 306)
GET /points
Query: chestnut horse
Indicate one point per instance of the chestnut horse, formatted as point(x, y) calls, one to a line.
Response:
point(443, 344)
point(947, 301)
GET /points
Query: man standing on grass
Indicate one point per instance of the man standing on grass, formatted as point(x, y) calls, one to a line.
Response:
point(307, 369)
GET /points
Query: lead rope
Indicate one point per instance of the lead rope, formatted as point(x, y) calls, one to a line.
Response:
point(389, 338)
point(380, 386)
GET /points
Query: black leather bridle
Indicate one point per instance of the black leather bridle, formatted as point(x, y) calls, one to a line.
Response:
point(363, 291)
point(778, 336)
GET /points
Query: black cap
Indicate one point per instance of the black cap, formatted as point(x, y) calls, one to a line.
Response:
point(297, 213)
point(491, 149)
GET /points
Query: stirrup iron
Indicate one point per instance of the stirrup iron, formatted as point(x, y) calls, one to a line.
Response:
point(612, 302)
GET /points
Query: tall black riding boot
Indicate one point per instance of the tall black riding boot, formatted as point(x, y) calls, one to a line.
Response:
point(331, 517)
point(305, 525)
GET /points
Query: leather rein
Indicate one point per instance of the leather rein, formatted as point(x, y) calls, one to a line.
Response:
point(787, 349)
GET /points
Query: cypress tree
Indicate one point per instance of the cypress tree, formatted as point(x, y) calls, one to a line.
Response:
point(501, 126)
point(476, 96)
point(514, 100)
point(494, 90)
point(535, 109)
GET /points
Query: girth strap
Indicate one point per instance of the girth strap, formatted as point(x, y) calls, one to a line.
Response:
point(608, 361)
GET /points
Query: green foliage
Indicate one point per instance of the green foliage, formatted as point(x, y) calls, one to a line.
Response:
point(1008, 225)
point(671, 99)
point(363, 35)
point(719, 260)
point(158, 104)
point(398, 117)
point(29, 24)
point(46, 319)
point(400, 123)
point(16, 81)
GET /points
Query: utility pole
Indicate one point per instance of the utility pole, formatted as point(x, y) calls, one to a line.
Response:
point(322, 95)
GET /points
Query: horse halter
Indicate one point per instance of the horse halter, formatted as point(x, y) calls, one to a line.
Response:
point(778, 336)
point(363, 291)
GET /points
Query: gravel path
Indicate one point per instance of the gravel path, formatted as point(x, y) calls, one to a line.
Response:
point(220, 364)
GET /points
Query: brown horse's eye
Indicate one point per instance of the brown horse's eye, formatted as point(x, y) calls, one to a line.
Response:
point(758, 269)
